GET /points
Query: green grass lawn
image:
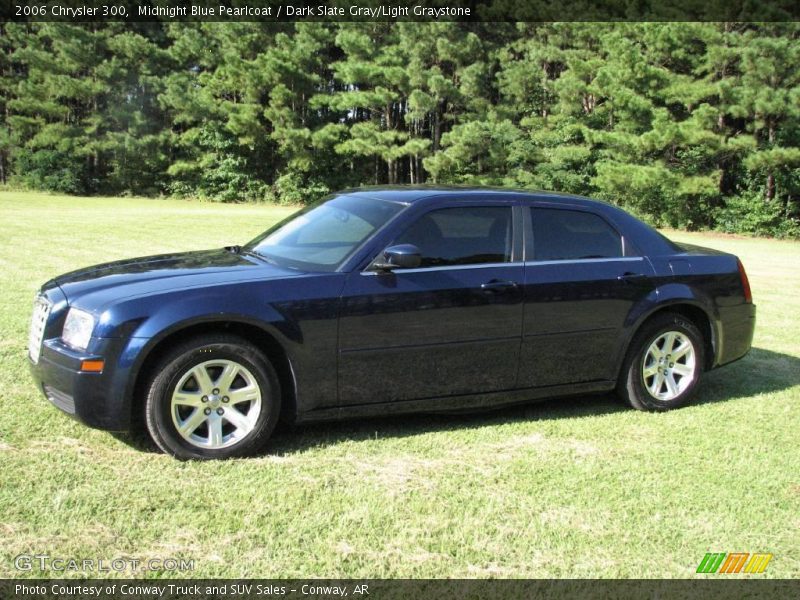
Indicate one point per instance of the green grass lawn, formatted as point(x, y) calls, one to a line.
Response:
point(568, 488)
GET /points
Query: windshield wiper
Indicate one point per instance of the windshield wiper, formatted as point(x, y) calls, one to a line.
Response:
point(234, 249)
point(260, 256)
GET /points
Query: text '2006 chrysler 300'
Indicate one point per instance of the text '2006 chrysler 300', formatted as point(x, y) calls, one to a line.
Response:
point(384, 301)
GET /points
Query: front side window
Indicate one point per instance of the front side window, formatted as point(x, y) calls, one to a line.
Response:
point(462, 236)
point(321, 237)
point(572, 235)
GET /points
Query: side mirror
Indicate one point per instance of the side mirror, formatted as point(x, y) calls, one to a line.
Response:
point(402, 256)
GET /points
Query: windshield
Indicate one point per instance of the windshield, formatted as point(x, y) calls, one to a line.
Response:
point(322, 236)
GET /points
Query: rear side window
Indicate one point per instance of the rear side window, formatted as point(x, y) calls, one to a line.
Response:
point(572, 235)
point(462, 236)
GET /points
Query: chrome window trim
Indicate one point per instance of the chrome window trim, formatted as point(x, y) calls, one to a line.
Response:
point(447, 268)
point(534, 263)
point(527, 263)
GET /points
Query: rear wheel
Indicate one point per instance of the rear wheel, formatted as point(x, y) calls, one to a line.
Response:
point(213, 397)
point(663, 364)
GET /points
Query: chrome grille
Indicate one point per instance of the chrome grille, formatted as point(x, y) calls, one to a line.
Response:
point(41, 310)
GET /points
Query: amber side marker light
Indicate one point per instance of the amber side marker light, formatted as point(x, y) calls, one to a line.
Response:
point(92, 366)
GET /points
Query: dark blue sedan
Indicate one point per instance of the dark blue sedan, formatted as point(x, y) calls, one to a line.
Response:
point(385, 301)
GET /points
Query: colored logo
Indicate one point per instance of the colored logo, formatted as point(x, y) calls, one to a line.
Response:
point(733, 562)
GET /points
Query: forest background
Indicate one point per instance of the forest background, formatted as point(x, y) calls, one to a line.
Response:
point(688, 125)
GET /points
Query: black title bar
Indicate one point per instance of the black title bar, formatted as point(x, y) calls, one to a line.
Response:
point(708, 588)
point(398, 10)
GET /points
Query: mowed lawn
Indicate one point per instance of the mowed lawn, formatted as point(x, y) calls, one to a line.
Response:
point(570, 488)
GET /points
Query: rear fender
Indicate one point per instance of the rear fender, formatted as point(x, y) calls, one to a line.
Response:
point(663, 297)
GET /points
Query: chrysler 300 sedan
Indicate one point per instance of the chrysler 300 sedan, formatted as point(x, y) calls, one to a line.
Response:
point(384, 301)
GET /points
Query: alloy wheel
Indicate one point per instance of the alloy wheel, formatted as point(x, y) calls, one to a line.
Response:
point(215, 404)
point(669, 366)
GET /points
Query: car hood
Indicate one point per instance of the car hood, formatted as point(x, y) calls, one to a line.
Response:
point(154, 274)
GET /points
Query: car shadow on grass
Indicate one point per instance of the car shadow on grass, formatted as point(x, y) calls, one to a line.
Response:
point(760, 372)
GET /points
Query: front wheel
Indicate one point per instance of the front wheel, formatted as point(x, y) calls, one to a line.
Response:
point(663, 365)
point(212, 397)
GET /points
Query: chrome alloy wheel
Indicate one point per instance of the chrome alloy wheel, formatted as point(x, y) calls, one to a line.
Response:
point(669, 366)
point(215, 404)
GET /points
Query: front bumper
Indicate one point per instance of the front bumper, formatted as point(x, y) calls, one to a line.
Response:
point(92, 398)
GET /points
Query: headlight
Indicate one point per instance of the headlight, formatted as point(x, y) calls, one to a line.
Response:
point(78, 328)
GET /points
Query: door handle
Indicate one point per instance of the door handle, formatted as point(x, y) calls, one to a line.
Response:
point(631, 277)
point(498, 285)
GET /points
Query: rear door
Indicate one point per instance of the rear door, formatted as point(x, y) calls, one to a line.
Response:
point(580, 285)
point(452, 326)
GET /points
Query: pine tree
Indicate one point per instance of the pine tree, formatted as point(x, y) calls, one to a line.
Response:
point(214, 99)
point(769, 97)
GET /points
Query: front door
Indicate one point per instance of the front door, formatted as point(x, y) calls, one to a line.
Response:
point(451, 326)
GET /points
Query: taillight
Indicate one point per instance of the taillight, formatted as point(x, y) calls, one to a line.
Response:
point(748, 295)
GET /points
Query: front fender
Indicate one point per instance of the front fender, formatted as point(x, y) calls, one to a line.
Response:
point(151, 316)
point(299, 314)
point(145, 322)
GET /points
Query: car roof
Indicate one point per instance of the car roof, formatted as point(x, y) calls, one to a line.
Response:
point(410, 194)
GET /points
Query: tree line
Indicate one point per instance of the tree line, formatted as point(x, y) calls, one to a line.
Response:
point(690, 125)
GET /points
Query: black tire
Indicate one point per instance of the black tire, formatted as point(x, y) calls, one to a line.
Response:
point(174, 367)
point(634, 388)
